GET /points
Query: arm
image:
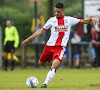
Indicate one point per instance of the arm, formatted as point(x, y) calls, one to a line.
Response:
point(16, 35)
point(87, 21)
point(36, 34)
point(44, 38)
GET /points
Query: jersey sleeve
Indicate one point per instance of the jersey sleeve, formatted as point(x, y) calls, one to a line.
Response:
point(48, 24)
point(16, 37)
point(74, 21)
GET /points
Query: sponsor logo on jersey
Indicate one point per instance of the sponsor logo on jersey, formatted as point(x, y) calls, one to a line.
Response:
point(60, 29)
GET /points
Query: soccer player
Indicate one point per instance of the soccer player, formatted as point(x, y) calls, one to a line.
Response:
point(54, 50)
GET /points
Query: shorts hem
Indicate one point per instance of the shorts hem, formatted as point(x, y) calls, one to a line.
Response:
point(42, 61)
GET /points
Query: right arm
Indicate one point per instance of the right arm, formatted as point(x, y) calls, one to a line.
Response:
point(16, 35)
point(36, 34)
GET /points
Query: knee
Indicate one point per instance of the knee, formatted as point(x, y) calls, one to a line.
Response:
point(41, 63)
point(55, 66)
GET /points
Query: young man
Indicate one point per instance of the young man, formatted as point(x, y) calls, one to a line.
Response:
point(60, 26)
point(11, 42)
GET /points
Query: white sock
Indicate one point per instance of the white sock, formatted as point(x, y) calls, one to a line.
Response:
point(50, 75)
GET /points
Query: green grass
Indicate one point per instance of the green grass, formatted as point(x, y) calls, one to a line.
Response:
point(65, 79)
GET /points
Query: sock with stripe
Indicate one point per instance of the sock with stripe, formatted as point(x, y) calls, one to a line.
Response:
point(50, 75)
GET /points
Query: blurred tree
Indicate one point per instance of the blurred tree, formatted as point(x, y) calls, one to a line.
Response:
point(49, 8)
point(72, 7)
point(22, 12)
point(73, 10)
point(2, 2)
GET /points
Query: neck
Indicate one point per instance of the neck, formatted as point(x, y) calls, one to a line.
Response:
point(61, 16)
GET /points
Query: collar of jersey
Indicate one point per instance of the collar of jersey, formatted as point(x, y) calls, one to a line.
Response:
point(61, 17)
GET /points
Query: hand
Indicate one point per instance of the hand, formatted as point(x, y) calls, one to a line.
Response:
point(24, 43)
point(95, 20)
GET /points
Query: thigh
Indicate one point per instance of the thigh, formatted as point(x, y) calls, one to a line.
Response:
point(59, 53)
point(75, 56)
point(9, 47)
point(5, 55)
point(46, 55)
point(6, 47)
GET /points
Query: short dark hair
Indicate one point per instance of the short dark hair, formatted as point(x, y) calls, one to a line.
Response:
point(59, 5)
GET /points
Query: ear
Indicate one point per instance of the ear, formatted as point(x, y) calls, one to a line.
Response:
point(63, 10)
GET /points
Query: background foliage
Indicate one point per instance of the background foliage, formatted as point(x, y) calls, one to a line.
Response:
point(22, 12)
point(72, 7)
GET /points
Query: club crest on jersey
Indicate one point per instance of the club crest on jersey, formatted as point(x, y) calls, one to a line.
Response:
point(60, 28)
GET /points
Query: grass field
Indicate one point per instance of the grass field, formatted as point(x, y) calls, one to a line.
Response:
point(65, 79)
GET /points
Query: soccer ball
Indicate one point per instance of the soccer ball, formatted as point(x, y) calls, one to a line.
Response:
point(32, 82)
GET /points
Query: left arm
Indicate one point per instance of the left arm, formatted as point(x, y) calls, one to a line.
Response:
point(87, 21)
point(16, 35)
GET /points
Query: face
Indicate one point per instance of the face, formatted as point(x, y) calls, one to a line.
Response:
point(58, 12)
point(38, 22)
point(8, 23)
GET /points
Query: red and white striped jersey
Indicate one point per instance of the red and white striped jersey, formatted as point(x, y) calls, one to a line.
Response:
point(60, 29)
